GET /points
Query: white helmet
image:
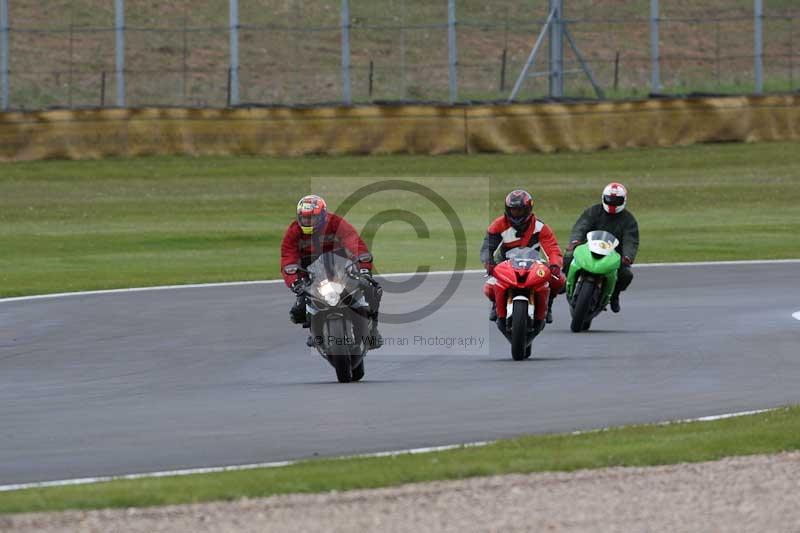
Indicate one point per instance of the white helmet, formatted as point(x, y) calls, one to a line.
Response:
point(615, 196)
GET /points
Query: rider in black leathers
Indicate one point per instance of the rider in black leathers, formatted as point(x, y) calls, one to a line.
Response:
point(610, 215)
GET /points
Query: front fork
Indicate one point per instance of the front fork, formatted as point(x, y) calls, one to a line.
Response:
point(536, 300)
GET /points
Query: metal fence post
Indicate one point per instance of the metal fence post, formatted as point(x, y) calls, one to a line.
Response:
point(234, 66)
point(758, 12)
point(532, 57)
point(451, 43)
point(791, 53)
point(346, 95)
point(655, 58)
point(119, 27)
point(403, 76)
point(557, 50)
point(71, 53)
point(4, 57)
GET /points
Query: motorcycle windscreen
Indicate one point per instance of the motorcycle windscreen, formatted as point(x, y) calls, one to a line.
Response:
point(330, 273)
point(601, 242)
point(523, 258)
point(330, 266)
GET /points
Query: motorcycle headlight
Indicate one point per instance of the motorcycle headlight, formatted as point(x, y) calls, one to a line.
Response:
point(330, 292)
point(331, 299)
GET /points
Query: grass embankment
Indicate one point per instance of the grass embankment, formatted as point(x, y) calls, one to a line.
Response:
point(69, 225)
point(398, 50)
point(769, 432)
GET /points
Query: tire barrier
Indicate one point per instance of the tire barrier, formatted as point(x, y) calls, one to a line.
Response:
point(396, 129)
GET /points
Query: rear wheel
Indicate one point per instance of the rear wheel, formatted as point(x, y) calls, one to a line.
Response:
point(583, 307)
point(519, 329)
point(528, 351)
point(340, 351)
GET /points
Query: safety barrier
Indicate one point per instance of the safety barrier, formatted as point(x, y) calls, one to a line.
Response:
point(410, 129)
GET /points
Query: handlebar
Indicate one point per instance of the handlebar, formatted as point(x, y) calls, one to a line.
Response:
point(352, 266)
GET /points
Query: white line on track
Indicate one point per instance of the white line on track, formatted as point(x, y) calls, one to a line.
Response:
point(687, 420)
point(216, 469)
point(796, 315)
point(720, 263)
point(139, 289)
point(278, 464)
point(395, 275)
point(720, 417)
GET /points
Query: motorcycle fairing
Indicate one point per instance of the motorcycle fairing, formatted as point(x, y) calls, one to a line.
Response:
point(595, 262)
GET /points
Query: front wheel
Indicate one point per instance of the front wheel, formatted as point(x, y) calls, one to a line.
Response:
point(581, 319)
point(519, 329)
point(340, 354)
point(358, 372)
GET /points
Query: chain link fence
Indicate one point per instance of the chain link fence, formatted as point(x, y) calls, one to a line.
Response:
point(200, 53)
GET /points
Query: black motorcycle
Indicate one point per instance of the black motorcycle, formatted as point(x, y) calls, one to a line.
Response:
point(338, 313)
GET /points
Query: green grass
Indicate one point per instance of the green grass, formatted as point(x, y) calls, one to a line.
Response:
point(770, 432)
point(81, 225)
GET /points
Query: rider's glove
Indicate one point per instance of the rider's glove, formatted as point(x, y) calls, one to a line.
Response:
point(627, 261)
point(489, 268)
point(364, 262)
point(571, 246)
point(366, 274)
point(298, 286)
point(555, 270)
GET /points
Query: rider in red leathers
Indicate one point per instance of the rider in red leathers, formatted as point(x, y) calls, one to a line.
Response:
point(314, 232)
point(519, 227)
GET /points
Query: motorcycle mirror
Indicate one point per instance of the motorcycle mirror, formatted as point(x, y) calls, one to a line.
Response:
point(291, 269)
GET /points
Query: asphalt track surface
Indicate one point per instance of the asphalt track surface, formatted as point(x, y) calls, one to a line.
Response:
point(111, 384)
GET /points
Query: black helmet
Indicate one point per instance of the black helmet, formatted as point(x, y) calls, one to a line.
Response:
point(519, 208)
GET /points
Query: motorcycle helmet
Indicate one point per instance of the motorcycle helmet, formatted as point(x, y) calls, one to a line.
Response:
point(312, 212)
point(519, 208)
point(615, 196)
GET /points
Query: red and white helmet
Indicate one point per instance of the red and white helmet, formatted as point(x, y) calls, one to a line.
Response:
point(615, 196)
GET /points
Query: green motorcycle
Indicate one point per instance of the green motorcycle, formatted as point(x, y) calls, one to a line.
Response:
point(592, 277)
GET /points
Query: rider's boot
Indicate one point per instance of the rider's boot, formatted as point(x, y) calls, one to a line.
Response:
point(549, 317)
point(615, 302)
point(538, 326)
point(375, 337)
point(502, 324)
point(493, 313)
point(297, 314)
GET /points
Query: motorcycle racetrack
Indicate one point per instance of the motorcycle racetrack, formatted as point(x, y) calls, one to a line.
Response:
point(153, 380)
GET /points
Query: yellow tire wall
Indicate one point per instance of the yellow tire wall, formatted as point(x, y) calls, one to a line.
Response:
point(410, 129)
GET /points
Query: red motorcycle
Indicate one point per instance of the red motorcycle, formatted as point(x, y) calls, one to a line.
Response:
point(523, 290)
